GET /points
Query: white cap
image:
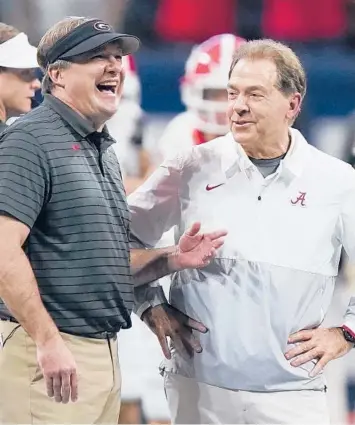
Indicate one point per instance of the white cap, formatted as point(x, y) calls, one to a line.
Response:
point(18, 53)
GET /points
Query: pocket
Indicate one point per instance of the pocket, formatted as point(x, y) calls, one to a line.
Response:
point(34, 370)
point(7, 331)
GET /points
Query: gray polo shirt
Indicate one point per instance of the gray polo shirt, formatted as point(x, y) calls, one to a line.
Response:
point(61, 178)
point(3, 126)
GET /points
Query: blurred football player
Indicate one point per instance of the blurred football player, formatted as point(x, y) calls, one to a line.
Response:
point(204, 94)
point(126, 127)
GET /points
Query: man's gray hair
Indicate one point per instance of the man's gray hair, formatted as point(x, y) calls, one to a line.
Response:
point(56, 32)
point(290, 72)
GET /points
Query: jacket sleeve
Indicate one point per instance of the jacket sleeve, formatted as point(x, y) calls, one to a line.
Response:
point(155, 208)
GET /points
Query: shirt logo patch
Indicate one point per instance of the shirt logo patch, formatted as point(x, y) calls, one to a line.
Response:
point(301, 199)
point(76, 147)
point(208, 187)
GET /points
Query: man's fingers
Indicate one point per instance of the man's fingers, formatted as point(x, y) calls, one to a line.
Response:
point(180, 345)
point(49, 386)
point(62, 386)
point(65, 387)
point(216, 235)
point(193, 343)
point(193, 324)
point(319, 366)
point(217, 244)
point(74, 386)
point(211, 253)
point(57, 387)
point(164, 345)
point(306, 357)
point(299, 349)
point(194, 229)
point(304, 335)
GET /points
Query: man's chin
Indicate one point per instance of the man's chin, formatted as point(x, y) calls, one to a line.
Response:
point(242, 137)
point(21, 110)
point(110, 112)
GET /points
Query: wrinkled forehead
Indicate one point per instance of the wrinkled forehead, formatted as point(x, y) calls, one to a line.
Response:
point(254, 72)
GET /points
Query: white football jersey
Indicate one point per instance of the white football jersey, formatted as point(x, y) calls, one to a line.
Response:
point(178, 135)
point(126, 128)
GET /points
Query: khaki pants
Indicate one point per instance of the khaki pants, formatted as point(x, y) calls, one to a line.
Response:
point(23, 397)
point(192, 402)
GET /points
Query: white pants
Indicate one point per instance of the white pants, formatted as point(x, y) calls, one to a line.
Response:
point(192, 402)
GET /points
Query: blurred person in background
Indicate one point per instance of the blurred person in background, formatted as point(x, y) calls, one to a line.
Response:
point(204, 94)
point(126, 127)
point(18, 78)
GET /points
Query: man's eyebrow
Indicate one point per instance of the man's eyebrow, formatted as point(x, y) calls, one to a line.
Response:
point(250, 88)
point(256, 87)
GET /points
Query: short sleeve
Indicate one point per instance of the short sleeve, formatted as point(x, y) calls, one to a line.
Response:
point(24, 177)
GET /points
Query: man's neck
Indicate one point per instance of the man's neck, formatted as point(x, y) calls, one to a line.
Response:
point(97, 124)
point(264, 150)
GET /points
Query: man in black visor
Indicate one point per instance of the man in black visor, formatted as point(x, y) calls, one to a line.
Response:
point(67, 270)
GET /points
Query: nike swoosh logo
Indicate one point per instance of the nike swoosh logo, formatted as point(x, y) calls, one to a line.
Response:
point(208, 187)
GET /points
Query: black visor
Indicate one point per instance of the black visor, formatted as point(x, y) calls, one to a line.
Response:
point(87, 37)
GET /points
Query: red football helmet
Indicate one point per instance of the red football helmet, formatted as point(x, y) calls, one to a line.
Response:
point(206, 72)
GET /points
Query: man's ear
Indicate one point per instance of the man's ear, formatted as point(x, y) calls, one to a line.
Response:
point(57, 76)
point(294, 106)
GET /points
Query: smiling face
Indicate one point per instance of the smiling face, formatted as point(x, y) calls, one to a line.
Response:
point(259, 113)
point(17, 88)
point(92, 85)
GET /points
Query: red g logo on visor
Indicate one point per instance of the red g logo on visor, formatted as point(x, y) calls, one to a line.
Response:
point(101, 26)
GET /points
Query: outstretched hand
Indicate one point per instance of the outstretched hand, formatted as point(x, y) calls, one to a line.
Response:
point(197, 249)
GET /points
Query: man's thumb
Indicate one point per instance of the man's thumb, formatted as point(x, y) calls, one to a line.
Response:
point(194, 229)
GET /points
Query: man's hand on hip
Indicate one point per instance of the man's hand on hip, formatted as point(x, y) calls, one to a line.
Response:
point(59, 370)
point(321, 344)
point(166, 321)
point(197, 249)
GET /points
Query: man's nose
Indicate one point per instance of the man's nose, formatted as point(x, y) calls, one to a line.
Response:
point(35, 84)
point(240, 105)
point(114, 63)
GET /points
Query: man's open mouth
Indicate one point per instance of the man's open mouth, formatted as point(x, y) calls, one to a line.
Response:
point(107, 87)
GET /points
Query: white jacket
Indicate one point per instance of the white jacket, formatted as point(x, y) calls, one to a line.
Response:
point(276, 272)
